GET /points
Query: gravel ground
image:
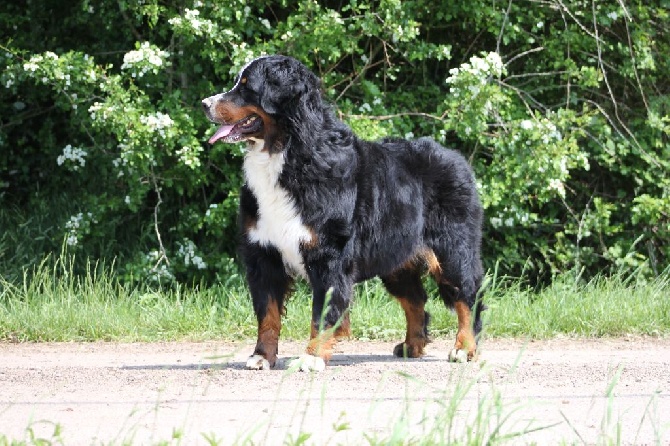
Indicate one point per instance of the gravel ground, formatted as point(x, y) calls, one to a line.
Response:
point(583, 391)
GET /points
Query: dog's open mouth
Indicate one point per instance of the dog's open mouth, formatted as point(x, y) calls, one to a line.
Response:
point(237, 131)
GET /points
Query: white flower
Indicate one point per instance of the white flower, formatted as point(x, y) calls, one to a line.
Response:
point(158, 122)
point(479, 68)
point(365, 108)
point(30, 66)
point(526, 124)
point(72, 155)
point(564, 166)
point(209, 211)
point(75, 221)
point(74, 224)
point(155, 59)
point(585, 161)
point(187, 252)
point(189, 156)
point(192, 14)
point(72, 240)
point(495, 63)
point(146, 58)
point(558, 186)
point(199, 263)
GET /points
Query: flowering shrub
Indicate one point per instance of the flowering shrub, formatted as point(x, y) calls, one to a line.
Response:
point(146, 59)
point(78, 226)
point(73, 157)
point(565, 122)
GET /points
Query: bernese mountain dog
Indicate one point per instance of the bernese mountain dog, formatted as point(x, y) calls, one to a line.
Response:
point(322, 204)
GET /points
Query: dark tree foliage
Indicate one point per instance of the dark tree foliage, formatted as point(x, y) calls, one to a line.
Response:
point(563, 108)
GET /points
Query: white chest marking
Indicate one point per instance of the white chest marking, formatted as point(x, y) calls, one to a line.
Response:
point(279, 223)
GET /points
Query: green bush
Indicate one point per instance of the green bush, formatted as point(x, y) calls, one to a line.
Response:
point(562, 107)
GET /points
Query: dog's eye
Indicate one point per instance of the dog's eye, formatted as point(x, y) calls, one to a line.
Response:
point(243, 81)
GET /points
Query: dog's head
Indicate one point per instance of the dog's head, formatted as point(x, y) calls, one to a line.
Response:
point(271, 98)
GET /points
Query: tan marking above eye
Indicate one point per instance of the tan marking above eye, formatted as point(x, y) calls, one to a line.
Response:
point(243, 81)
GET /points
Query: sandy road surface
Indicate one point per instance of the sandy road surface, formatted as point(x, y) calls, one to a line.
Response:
point(146, 393)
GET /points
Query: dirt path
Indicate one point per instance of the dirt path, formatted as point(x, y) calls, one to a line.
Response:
point(147, 393)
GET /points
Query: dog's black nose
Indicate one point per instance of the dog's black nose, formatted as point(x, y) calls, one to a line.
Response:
point(205, 104)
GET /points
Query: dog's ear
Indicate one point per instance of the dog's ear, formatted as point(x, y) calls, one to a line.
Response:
point(289, 85)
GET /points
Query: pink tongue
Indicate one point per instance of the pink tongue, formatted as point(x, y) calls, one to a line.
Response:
point(222, 132)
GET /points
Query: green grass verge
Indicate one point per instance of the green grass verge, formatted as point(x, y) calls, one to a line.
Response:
point(603, 306)
point(53, 304)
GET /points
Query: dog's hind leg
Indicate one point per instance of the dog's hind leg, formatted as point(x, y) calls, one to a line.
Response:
point(268, 284)
point(405, 285)
point(465, 347)
point(458, 287)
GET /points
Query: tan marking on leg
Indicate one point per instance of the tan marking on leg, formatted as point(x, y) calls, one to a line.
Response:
point(433, 264)
point(465, 338)
point(268, 332)
point(344, 329)
point(415, 338)
point(424, 258)
point(322, 344)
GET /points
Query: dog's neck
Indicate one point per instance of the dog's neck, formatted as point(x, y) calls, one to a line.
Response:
point(255, 144)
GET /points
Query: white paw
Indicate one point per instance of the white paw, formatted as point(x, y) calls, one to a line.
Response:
point(257, 362)
point(307, 363)
point(458, 356)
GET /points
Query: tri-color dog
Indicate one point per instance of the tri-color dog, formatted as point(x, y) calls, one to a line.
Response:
point(320, 203)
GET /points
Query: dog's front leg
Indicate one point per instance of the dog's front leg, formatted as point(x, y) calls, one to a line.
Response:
point(268, 284)
point(332, 291)
point(330, 322)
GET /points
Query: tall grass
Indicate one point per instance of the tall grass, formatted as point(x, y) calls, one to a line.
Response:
point(603, 306)
point(52, 303)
